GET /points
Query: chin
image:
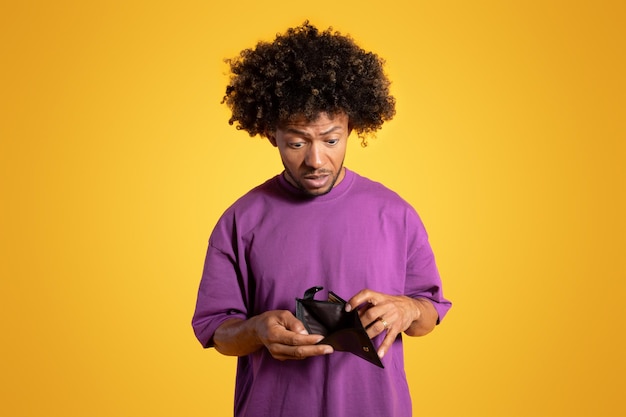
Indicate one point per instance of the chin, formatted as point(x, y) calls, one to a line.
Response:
point(318, 191)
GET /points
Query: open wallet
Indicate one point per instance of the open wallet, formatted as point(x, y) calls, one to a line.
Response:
point(342, 329)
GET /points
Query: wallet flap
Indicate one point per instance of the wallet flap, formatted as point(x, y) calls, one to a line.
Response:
point(342, 330)
point(356, 342)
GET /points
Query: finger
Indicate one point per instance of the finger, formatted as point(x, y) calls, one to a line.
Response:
point(290, 322)
point(297, 327)
point(283, 352)
point(379, 317)
point(290, 338)
point(376, 327)
point(386, 344)
point(365, 296)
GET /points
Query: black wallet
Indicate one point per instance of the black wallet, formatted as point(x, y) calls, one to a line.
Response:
point(342, 330)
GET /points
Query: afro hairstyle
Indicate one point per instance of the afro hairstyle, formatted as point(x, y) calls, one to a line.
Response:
point(305, 72)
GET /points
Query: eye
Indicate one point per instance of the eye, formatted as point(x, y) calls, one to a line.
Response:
point(296, 145)
point(332, 142)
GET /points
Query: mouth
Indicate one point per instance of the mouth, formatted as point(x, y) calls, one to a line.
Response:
point(316, 181)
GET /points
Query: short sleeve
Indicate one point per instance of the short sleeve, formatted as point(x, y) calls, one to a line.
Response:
point(423, 279)
point(220, 295)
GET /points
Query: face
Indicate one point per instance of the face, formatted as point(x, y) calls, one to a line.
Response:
point(313, 152)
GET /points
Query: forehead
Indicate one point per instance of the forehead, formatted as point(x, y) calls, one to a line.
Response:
point(319, 121)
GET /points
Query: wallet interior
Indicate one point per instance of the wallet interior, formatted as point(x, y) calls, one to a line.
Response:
point(341, 329)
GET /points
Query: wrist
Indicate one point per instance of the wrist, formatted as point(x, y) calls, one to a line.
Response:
point(418, 309)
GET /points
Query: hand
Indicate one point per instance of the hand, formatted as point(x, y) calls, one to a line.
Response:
point(393, 314)
point(285, 337)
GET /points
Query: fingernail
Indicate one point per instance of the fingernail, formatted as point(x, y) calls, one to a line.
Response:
point(328, 350)
point(381, 353)
point(348, 307)
point(304, 332)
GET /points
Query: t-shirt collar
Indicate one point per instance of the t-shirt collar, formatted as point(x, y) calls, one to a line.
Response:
point(337, 191)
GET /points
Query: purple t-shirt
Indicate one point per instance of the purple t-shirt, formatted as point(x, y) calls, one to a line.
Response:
point(272, 245)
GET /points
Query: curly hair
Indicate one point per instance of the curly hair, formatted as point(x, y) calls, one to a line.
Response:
point(305, 72)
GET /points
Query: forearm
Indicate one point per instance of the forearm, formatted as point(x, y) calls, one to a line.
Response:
point(279, 331)
point(426, 318)
point(237, 337)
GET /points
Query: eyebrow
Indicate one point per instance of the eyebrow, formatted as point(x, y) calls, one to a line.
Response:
point(303, 133)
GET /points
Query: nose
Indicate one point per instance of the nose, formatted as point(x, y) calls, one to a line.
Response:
point(314, 156)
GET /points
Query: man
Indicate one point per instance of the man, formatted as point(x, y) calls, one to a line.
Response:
point(316, 224)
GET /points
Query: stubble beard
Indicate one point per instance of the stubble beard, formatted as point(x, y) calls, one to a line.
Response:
point(293, 180)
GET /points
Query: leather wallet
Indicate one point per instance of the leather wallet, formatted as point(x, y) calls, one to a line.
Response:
point(342, 329)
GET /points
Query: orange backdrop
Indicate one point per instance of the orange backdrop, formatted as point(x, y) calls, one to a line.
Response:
point(116, 160)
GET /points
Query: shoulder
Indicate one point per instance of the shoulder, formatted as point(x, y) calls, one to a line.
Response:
point(267, 191)
point(250, 209)
point(373, 195)
point(374, 190)
point(255, 199)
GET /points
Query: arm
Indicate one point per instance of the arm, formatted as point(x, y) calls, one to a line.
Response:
point(394, 314)
point(426, 318)
point(279, 331)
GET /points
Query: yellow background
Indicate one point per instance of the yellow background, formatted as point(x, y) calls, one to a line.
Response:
point(116, 160)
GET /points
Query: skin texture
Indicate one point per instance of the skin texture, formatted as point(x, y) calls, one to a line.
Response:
point(312, 153)
point(285, 337)
point(415, 317)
